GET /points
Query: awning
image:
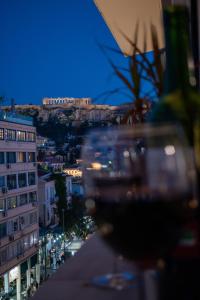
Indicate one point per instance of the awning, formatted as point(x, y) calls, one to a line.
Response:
point(123, 15)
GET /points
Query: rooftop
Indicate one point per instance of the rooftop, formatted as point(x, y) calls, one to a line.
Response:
point(16, 118)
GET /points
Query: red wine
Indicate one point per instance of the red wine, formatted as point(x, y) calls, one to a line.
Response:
point(141, 227)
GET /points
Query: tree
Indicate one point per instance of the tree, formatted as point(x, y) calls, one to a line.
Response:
point(60, 193)
point(75, 219)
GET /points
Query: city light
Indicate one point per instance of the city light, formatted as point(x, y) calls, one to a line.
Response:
point(170, 150)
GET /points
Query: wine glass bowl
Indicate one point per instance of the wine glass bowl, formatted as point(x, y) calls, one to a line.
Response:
point(139, 183)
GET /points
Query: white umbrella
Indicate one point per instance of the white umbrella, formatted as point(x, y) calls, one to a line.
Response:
point(121, 16)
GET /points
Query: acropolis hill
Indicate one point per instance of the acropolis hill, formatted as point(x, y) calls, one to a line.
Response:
point(67, 107)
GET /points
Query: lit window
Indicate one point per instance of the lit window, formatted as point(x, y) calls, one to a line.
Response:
point(31, 156)
point(21, 135)
point(12, 202)
point(30, 136)
point(1, 134)
point(21, 156)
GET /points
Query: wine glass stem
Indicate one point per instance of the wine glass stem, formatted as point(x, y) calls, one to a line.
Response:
point(115, 265)
point(142, 287)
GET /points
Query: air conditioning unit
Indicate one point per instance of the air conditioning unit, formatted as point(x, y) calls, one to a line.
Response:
point(4, 190)
point(11, 237)
point(8, 166)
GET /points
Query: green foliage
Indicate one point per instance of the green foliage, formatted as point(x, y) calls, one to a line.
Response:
point(75, 220)
point(52, 129)
point(60, 193)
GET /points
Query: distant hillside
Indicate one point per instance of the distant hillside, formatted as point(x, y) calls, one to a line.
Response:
point(56, 123)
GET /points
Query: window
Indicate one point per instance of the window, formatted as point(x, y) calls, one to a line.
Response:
point(22, 182)
point(35, 237)
point(12, 202)
point(1, 134)
point(1, 204)
point(11, 181)
point(32, 197)
point(11, 251)
point(15, 225)
point(21, 135)
point(2, 159)
point(33, 218)
point(21, 157)
point(23, 199)
point(31, 239)
point(3, 256)
point(31, 156)
point(20, 247)
point(22, 222)
point(30, 136)
point(11, 135)
point(2, 181)
point(3, 231)
point(11, 157)
point(52, 194)
point(31, 178)
point(26, 242)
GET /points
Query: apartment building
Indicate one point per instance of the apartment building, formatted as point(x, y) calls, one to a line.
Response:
point(47, 196)
point(18, 202)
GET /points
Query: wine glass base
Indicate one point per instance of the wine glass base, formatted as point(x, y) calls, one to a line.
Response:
point(116, 281)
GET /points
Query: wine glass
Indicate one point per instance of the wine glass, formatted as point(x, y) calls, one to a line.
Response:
point(140, 188)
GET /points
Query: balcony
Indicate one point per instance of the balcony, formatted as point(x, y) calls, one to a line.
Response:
point(17, 167)
point(17, 235)
point(19, 259)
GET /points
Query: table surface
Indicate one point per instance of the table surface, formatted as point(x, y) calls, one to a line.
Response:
point(73, 279)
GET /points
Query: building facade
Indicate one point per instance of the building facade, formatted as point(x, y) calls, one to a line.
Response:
point(47, 201)
point(19, 227)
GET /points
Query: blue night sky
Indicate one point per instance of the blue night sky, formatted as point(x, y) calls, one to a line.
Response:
point(49, 49)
